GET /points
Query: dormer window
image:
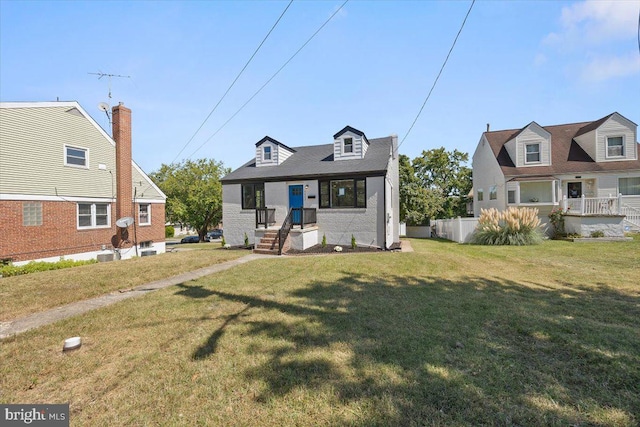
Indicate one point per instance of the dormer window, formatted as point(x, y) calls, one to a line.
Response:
point(267, 153)
point(532, 153)
point(348, 145)
point(615, 146)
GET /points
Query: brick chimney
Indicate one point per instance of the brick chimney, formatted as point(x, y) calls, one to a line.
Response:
point(121, 117)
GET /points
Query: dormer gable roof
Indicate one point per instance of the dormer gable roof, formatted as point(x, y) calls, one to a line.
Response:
point(273, 141)
point(352, 130)
point(533, 123)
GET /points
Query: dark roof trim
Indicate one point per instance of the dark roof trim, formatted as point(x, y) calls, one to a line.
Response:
point(268, 138)
point(593, 125)
point(322, 177)
point(534, 178)
point(352, 130)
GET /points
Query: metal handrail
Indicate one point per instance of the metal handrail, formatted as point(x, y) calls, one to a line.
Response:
point(283, 233)
point(265, 216)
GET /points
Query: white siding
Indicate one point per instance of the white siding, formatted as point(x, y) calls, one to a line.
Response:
point(533, 134)
point(359, 147)
point(486, 173)
point(616, 126)
point(588, 143)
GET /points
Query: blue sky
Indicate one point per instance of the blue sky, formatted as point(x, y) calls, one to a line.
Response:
point(371, 67)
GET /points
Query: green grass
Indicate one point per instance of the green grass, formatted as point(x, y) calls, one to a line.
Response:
point(27, 294)
point(448, 335)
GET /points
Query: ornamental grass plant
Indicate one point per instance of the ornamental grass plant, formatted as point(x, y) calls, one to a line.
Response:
point(514, 226)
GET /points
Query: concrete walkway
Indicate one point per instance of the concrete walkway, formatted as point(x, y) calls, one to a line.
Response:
point(36, 320)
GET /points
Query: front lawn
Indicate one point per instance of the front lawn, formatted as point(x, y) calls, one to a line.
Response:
point(447, 335)
point(31, 293)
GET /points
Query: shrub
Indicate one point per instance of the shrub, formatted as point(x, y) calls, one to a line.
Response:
point(324, 241)
point(223, 243)
point(353, 242)
point(246, 240)
point(37, 266)
point(597, 233)
point(169, 231)
point(510, 227)
point(556, 218)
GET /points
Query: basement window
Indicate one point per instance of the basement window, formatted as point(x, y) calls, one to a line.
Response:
point(31, 213)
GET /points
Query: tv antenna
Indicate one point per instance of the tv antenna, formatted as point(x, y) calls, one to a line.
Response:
point(101, 75)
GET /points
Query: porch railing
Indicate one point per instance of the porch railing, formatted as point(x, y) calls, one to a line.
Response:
point(283, 233)
point(265, 217)
point(593, 205)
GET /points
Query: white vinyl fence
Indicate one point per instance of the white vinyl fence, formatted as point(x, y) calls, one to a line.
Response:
point(455, 229)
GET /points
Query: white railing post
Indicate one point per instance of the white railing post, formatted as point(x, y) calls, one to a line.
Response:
point(619, 210)
point(563, 204)
point(582, 204)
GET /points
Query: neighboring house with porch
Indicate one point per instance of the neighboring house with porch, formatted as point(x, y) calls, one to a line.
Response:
point(294, 196)
point(590, 170)
point(65, 182)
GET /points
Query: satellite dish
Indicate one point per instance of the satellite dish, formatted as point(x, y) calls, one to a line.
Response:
point(124, 222)
point(103, 106)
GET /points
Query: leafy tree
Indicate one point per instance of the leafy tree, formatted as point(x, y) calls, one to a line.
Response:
point(444, 173)
point(194, 192)
point(417, 203)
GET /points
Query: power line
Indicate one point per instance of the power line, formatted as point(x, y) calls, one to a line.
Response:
point(234, 81)
point(271, 78)
point(439, 73)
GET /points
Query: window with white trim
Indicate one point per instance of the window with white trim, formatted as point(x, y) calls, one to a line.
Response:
point(267, 153)
point(94, 215)
point(615, 146)
point(532, 153)
point(348, 145)
point(31, 213)
point(493, 192)
point(629, 186)
point(480, 194)
point(75, 156)
point(144, 214)
point(511, 196)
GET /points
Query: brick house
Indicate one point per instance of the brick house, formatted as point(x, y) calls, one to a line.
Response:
point(64, 182)
point(293, 197)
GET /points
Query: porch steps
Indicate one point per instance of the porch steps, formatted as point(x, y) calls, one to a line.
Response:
point(268, 244)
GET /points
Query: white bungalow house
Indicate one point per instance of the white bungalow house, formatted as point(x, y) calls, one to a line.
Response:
point(590, 170)
point(288, 197)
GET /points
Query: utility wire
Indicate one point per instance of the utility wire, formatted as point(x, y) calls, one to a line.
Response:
point(271, 78)
point(439, 73)
point(234, 81)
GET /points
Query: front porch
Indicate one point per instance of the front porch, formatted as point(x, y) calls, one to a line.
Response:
point(297, 231)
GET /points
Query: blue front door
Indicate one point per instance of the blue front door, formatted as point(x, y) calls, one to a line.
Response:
point(296, 200)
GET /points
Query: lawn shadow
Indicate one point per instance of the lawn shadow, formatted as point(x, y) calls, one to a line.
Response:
point(469, 351)
point(193, 291)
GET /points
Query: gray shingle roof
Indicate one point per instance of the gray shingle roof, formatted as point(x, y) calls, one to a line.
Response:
point(313, 161)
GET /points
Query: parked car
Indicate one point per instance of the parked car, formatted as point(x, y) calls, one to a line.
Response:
point(214, 234)
point(190, 239)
